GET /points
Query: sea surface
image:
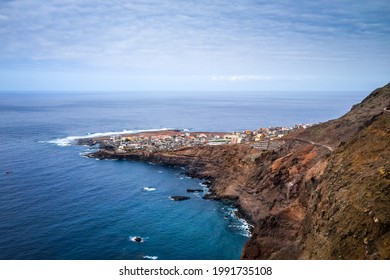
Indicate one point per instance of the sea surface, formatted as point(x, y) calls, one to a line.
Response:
point(57, 204)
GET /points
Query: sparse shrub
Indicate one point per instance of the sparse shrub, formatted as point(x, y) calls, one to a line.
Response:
point(384, 172)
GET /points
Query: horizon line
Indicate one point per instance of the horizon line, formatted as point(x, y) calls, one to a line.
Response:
point(178, 90)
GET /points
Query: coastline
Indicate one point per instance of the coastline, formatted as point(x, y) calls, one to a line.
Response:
point(304, 195)
point(202, 162)
point(234, 170)
point(193, 166)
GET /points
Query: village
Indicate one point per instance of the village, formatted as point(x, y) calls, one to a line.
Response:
point(262, 139)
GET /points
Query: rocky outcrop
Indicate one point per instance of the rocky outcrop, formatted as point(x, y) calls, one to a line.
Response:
point(324, 194)
point(179, 197)
point(194, 190)
point(137, 239)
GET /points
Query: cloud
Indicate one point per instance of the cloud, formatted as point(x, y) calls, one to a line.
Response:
point(3, 17)
point(241, 78)
point(248, 78)
point(167, 37)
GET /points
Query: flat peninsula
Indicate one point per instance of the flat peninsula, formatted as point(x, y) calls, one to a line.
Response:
point(322, 192)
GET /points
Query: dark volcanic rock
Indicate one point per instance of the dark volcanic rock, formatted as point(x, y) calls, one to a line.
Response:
point(207, 183)
point(179, 197)
point(210, 196)
point(137, 239)
point(194, 190)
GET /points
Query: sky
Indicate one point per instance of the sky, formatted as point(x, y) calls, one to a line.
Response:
point(164, 45)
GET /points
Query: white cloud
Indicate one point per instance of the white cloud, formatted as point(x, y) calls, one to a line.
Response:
point(199, 38)
point(242, 78)
point(247, 78)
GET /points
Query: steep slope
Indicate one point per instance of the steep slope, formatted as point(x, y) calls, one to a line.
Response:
point(325, 194)
point(343, 199)
point(349, 211)
point(344, 128)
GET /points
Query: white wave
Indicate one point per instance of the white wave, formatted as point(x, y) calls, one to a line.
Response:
point(150, 257)
point(135, 239)
point(149, 189)
point(240, 225)
point(160, 171)
point(243, 228)
point(246, 228)
point(70, 140)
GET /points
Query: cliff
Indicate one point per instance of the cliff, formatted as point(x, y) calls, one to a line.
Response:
point(348, 213)
point(325, 194)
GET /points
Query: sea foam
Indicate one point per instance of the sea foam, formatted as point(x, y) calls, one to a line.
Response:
point(70, 140)
point(240, 225)
point(134, 239)
point(147, 189)
point(150, 257)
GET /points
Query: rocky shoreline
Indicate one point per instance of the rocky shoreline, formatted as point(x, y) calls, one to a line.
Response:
point(325, 196)
point(193, 167)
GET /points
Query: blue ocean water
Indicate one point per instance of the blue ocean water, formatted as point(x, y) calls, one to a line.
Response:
point(57, 204)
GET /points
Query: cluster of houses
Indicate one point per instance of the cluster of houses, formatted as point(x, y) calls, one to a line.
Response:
point(270, 138)
point(263, 139)
point(164, 141)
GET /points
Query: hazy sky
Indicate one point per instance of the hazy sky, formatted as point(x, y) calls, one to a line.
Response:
point(193, 45)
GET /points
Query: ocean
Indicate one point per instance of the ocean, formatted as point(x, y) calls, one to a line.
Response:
point(57, 204)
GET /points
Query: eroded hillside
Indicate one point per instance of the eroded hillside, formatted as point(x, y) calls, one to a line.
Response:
point(325, 194)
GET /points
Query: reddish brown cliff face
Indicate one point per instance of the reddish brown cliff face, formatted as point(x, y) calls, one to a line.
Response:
point(342, 210)
point(325, 194)
point(348, 214)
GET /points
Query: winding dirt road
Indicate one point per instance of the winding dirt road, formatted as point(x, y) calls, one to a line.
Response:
point(315, 144)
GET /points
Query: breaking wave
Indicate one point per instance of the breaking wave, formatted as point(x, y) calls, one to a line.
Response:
point(150, 257)
point(70, 140)
point(240, 225)
point(147, 189)
point(138, 239)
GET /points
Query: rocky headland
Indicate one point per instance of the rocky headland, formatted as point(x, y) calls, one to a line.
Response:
point(324, 194)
